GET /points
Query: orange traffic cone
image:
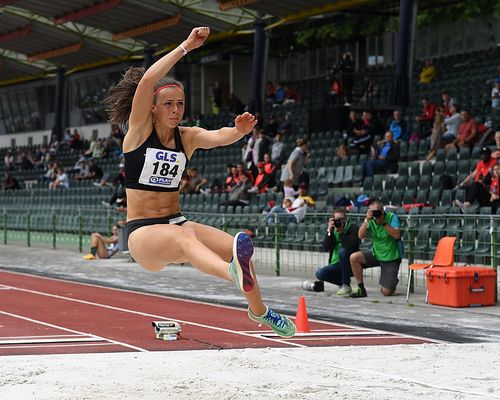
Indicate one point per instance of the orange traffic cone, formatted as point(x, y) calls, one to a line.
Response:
point(301, 319)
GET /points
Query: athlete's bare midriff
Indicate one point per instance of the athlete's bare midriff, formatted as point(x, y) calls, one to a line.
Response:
point(142, 204)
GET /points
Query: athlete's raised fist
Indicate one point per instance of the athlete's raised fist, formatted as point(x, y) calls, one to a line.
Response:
point(196, 38)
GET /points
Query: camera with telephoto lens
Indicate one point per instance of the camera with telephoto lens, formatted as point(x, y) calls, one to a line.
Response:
point(377, 214)
point(337, 223)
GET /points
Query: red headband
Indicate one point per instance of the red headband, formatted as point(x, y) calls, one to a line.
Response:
point(165, 86)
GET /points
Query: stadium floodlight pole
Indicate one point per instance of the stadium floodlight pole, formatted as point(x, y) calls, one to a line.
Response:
point(59, 103)
point(401, 84)
point(258, 63)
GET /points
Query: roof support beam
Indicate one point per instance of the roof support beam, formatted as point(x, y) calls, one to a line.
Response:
point(83, 31)
point(225, 5)
point(56, 52)
point(18, 33)
point(141, 30)
point(22, 59)
point(87, 11)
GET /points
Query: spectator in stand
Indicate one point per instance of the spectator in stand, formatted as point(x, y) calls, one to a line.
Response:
point(113, 179)
point(270, 92)
point(291, 97)
point(51, 172)
point(261, 147)
point(486, 192)
point(341, 240)
point(426, 119)
point(304, 195)
point(118, 184)
point(291, 211)
point(272, 125)
point(295, 164)
point(384, 158)
point(61, 181)
point(195, 181)
point(285, 127)
point(447, 102)
point(10, 182)
point(346, 68)
point(467, 132)
point(288, 189)
point(263, 181)
point(385, 250)
point(102, 246)
point(230, 180)
point(94, 172)
point(67, 136)
point(76, 140)
point(82, 170)
point(483, 170)
point(54, 144)
point(9, 160)
point(452, 125)
point(279, 93)
point(363, 138)
point(269, 167)
point(397, 126)
point(239, 194)
point(278, 151)
point(428, 73)
point(437, 132)
point(495, 94)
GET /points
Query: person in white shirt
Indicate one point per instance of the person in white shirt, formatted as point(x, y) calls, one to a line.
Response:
point(291, 211)
point(495, 94)
point(61, 181)
point(452, 123)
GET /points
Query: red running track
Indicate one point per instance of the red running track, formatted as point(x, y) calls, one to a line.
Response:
point(51, 316)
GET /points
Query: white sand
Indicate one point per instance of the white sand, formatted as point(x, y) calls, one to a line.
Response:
point(443, 371)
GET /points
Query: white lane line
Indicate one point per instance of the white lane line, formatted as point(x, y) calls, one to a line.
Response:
point(58, 345)
point(149, 315)
point(41, 341)
point(71, 330)
point(38, 337)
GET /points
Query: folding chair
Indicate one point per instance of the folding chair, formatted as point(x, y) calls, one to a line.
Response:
point(443, 257)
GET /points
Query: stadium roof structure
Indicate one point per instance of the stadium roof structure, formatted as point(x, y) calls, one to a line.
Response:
point(39, 36)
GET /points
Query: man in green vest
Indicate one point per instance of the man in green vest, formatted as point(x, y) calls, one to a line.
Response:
point(341, 240)
point(385, 252)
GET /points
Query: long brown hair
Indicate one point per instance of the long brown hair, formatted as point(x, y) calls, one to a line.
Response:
point(119, 100)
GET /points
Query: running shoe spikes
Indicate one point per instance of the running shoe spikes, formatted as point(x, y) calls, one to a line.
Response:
point(280, 324)
point(89, 256)
point(239, 268)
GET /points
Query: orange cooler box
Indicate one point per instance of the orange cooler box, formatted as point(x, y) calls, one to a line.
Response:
point(461, 286)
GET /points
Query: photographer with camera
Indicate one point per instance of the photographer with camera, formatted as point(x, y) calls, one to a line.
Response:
point(341, 240)
point(386, 250)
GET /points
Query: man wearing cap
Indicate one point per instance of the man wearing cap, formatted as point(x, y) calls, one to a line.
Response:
point(386, 250)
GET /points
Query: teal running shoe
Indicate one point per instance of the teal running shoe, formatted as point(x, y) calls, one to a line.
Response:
point(280, 324)
point(239, 268)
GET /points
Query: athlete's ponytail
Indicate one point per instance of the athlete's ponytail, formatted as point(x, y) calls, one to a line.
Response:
point(119, 100)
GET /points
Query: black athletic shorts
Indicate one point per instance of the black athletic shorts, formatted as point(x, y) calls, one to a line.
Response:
point(175, 219)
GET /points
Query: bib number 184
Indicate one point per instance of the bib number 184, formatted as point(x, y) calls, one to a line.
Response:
point(164, 169)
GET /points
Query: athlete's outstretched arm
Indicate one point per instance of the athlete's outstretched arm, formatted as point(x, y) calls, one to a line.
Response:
point(143, 99)
point(203, 139)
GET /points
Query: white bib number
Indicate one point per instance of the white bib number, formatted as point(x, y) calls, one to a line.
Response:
point(162, 168)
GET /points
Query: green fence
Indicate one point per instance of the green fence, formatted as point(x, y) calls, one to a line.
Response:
point(283, 249)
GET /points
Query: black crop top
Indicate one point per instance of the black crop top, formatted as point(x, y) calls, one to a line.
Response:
point(155, 168)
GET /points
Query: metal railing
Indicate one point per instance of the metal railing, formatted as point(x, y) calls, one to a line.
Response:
point(282, 248)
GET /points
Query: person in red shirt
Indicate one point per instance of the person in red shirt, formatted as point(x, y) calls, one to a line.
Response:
point(485, 187)
point(263, 181)
point(426, 119)
point(269, 168)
